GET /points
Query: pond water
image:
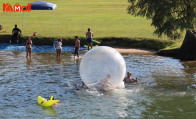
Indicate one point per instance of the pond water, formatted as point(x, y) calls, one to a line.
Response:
point(35, 48)
point(167, 88)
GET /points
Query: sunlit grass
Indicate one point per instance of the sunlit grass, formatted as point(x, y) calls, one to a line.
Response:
point(106, 18)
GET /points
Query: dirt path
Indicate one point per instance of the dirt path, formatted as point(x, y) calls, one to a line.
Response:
point(135, 51)
point(127, 51)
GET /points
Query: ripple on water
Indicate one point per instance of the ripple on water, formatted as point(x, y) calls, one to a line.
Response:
point(165, 89)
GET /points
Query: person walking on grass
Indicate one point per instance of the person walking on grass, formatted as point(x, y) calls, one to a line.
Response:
point(28, 47)
point(77, 46)
point(58, 46)
point(89, 36)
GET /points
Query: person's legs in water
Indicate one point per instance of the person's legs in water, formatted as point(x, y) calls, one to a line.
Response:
point(57, 53)
point(30, 51)
point(91, 44)
point(60, 54)
point(88, 45)
point(27, 53)
point(77, 52)
point(58, 57)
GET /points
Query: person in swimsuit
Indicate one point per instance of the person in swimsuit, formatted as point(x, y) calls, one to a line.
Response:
point(28, 47)
point(89, 36)
point(129, 79)
point(58, 46)
point(77, 46)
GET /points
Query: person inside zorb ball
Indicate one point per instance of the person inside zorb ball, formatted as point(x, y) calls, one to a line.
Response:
point(103, 68)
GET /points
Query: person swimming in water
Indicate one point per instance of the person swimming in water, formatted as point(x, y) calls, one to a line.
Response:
point(28, 47)
point(129, 79)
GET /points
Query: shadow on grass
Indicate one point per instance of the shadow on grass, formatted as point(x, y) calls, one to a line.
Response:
point(153, 44)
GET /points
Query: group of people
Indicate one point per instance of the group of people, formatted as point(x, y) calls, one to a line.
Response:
point(89, 36)
point(58, 44)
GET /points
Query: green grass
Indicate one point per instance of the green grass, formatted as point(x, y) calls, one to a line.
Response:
point(176, 45)
point(106, 18)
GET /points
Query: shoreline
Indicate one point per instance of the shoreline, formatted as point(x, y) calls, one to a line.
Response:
point(131, 51)
point(128, 51)
point(122, 42)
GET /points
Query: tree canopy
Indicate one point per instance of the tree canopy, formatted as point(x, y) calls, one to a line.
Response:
point(169, 17)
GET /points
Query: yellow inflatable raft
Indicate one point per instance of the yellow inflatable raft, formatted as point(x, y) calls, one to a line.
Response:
point(46, 103)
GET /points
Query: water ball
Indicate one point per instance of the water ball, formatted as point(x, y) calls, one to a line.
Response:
point(103, 63)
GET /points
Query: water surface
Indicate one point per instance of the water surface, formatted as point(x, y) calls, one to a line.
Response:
point(166, 88)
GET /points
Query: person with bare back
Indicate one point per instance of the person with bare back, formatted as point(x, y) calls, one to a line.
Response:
point(89, 36)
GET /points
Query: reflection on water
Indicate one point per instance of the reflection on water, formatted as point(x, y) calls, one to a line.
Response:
point(166, 88)
point(49, 111)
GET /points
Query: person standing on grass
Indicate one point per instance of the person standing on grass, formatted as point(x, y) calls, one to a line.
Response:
point(16, 32)
point(28, 47)
point(89, 36)
point(58, 46)
point(77, 46)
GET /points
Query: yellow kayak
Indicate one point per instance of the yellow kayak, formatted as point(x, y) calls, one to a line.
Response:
point(46, 103)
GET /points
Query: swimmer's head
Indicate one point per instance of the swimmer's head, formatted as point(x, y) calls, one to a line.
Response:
point(128, 73)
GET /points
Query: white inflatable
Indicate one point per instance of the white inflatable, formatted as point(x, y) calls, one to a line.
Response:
point(103, 67)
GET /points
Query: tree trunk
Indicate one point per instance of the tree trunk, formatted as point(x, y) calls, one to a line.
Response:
point(188, 48)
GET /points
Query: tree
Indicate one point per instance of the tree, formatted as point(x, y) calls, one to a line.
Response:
point(169, 17)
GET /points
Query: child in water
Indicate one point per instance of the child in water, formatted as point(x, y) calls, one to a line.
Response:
point(58, 46)
point(77, 46)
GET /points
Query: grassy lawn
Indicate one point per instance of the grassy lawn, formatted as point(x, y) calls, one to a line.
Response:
point(106, 18)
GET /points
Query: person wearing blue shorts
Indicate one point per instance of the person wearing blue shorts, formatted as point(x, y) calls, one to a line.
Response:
point(89, 36)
